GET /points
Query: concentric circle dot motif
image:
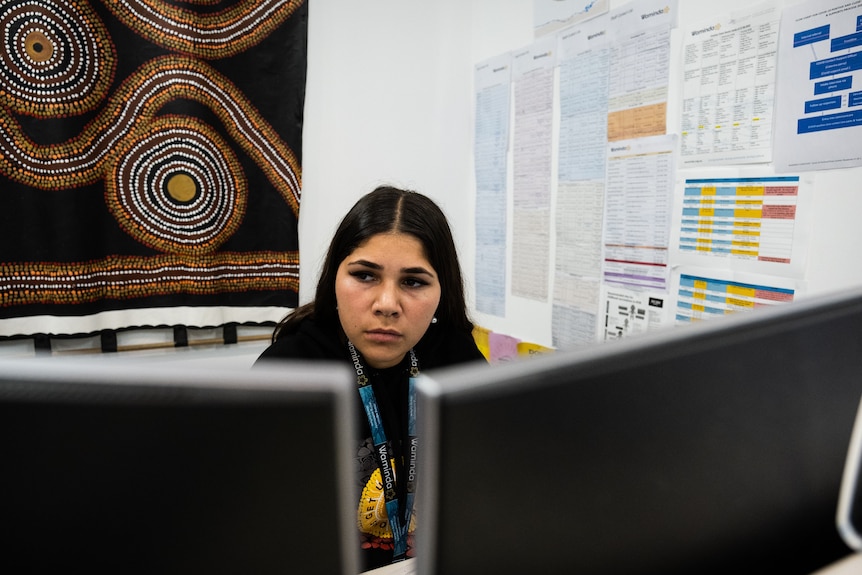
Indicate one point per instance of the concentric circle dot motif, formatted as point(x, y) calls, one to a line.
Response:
point(178, 188)
point(57, 58)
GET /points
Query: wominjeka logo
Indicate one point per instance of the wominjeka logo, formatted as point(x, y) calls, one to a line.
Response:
point(664, 10)
point(713, 28)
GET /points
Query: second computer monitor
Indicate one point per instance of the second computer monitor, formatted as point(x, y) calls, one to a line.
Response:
point(710, 448)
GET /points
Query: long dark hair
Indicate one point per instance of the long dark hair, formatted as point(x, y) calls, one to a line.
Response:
point(387, 210)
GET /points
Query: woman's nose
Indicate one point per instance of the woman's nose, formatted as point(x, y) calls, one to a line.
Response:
point(386, 302)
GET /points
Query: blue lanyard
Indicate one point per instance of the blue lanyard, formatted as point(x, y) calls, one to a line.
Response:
point(382, 447)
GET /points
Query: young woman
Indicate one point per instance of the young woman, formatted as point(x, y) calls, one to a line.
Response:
point(390, 302)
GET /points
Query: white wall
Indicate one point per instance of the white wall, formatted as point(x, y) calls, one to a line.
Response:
point(385, 103)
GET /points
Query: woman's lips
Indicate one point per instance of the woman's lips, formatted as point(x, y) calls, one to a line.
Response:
point(382, 335)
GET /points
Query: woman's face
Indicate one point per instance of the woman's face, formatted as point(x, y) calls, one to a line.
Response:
point(387, 293)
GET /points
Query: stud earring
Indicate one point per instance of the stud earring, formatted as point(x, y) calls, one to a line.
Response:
point(433, 320)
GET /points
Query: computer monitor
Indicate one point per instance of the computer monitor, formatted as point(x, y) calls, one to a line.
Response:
point(715, 447)
point(113, 467)
point(849, 512)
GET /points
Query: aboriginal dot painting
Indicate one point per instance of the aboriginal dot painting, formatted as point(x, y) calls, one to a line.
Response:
point(149, 154)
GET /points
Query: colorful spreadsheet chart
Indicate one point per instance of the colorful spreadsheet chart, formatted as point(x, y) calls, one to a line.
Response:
point(743, 218)
point(703, 298)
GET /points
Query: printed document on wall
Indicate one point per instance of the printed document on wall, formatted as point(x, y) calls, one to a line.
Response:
point(491, 147)
point(818, 96)
point(729, 88)
point(638, 212)
point(533, 78)
point(583, 63)
point(640, 68)
point(743, 221)
point(703, 294)
point(629, 312)
point(584, 60)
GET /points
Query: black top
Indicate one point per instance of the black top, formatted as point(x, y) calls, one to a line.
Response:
point(438, 348)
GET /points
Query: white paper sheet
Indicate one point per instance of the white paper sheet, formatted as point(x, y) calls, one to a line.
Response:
point(728, 88)
point(492, 80)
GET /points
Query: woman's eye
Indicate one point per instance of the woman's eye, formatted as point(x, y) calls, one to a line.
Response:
point(414, 283)
point(363, 276)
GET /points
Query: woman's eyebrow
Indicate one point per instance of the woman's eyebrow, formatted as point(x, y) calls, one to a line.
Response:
point(417, 270)
point(365, 263)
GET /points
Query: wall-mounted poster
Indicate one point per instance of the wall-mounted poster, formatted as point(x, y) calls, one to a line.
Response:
point(818, 122)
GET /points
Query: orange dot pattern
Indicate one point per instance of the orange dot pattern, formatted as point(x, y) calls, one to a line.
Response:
point(126, 277)
point(217, 35)
point(59, 61)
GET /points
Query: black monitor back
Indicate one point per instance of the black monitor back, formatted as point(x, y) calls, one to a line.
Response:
point(114, 468)
point(716, 447)
point(849, 513)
